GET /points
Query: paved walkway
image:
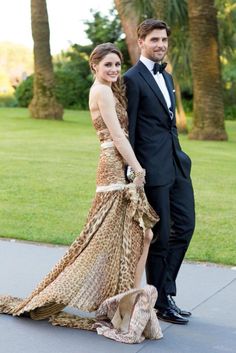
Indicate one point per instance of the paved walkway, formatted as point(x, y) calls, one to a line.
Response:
point(207, 290)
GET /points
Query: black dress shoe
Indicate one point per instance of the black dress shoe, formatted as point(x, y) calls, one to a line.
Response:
point(173, 305)
point(170, 315)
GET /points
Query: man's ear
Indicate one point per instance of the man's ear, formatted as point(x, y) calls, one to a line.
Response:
point(140, 43)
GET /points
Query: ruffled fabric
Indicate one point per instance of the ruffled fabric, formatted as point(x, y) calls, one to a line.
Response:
point(8, 304)
point(140, 211)
point(128, 317)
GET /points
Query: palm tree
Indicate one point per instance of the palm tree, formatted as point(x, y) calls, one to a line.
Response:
point(44, 104)
point(208, 123)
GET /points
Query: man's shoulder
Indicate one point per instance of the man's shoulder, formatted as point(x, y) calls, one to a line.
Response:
point(131, 71)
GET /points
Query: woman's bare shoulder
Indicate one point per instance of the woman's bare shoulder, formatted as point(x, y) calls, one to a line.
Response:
point(100, 90)
point(100, 94)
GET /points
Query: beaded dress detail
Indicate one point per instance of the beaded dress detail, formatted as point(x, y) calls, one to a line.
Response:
point(97, 271)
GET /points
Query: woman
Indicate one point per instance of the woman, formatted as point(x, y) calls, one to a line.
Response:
point(102, 268)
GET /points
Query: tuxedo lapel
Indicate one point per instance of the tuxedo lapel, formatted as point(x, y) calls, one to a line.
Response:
point(170, 90)
point(147, 76)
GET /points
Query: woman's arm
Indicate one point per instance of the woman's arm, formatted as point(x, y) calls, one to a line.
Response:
point(106, 105)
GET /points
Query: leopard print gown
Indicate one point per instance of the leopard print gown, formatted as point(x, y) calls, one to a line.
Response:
point(102, 261)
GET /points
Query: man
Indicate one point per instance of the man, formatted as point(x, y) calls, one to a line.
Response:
point(153, 135)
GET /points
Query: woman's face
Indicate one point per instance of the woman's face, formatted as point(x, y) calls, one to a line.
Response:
point(108, 69)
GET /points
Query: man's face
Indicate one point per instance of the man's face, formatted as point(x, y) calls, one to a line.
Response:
point(154, 46)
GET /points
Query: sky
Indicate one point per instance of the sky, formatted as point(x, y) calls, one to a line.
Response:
point(65, 20)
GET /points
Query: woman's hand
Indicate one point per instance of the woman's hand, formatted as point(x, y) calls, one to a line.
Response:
point(139, 179)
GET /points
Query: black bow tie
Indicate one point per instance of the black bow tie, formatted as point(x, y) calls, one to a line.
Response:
point(158, 68)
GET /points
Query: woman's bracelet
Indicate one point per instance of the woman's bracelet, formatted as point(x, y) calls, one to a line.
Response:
point(140, 173)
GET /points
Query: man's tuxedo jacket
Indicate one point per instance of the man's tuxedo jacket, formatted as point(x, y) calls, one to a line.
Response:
point(152, 133)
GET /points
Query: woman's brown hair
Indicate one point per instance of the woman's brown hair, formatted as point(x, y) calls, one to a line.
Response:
point(98, 53)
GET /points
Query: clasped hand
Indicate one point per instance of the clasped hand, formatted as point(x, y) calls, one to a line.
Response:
point(139, 181)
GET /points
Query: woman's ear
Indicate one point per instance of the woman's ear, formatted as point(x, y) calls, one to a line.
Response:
point(94, 68)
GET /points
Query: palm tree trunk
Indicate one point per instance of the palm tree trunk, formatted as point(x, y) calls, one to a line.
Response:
point(208, 122)
point(43, 104)
point(129, 24)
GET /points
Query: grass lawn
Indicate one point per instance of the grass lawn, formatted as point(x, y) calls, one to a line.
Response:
point(47, 182)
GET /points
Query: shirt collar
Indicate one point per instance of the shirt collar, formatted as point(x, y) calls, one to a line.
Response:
point(147, 62)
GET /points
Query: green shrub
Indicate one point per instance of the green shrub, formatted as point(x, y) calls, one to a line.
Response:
point(230, 112)
point(71, 88)
point(24, 92)
point(188, 105)
point(7, 100)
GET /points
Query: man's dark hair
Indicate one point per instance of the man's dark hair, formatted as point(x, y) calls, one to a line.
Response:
point(149, 25)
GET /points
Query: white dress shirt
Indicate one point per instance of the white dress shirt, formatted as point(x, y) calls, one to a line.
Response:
point(159, 80)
